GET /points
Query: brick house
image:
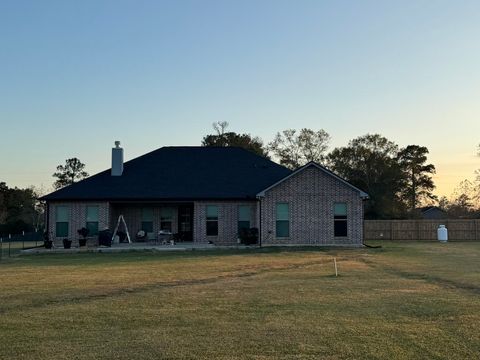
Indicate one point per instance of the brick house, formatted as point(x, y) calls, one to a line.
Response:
point(207, 194)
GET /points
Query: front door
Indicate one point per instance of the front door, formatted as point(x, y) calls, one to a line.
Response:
point(185, 222)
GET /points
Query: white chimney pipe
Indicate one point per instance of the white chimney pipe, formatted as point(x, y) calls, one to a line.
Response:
point(117, 160)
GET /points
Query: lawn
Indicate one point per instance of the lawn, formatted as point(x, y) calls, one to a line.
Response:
point(407, 300)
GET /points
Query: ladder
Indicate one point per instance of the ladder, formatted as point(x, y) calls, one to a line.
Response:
point(121, 219)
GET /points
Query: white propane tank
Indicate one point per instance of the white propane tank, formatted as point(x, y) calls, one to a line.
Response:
point(442, 233)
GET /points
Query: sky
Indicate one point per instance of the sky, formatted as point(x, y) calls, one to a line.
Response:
point(77, 75)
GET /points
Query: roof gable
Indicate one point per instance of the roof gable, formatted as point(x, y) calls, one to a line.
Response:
point(362, 194)
point(426, 209)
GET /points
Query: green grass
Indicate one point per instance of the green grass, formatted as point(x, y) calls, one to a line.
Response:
point(407, 300)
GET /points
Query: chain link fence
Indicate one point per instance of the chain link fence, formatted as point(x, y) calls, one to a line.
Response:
point(12, 244)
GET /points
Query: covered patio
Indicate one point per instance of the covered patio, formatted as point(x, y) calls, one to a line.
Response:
point(153, 223)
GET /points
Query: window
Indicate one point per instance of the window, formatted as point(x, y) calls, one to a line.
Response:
point(212, 220)
point(184, 219)
point(166, 219)
point(61, 217)
point(283, 220)
point(244, 215)
point(147, 220)
point(92, 220)
point(340, 219)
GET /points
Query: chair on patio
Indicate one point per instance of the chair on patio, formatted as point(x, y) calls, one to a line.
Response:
point(165, 238)
point(151, 237)
point(140, 236)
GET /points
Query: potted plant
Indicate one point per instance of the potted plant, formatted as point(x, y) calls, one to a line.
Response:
point(83, 232)
point(46, 241)
point(67, 244)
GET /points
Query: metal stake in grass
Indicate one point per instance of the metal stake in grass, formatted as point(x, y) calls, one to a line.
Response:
point(335, 263)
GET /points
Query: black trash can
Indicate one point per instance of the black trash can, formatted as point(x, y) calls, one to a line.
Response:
point(105, 238)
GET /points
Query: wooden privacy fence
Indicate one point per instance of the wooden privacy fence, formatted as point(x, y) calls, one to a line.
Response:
point(421, 229)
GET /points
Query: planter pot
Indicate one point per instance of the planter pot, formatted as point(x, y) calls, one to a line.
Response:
point(82, 242)
point(48, 244)
point(67, 244)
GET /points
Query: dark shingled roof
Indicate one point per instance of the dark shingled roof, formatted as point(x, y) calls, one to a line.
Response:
point(181, 173)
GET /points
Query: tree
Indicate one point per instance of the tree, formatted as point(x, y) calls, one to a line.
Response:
point(370, 163)
point(224, 139)
point(67, 174)
point(476, 196)
point(443, 203)
point(38, 214)
point(18, 210)
point(3, 202)
point(294, 150)
point(461, 205)
point(418, 175)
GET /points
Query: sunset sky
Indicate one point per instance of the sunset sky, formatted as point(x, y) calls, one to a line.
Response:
point(77, 75)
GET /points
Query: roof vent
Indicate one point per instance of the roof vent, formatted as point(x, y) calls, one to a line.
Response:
point(117, 160)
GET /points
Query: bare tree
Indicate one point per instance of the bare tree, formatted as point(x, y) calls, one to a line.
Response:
point(220, 127)
point(462, 203)
point(38, 206)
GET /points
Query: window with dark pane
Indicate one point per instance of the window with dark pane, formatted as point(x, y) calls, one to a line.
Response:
point(147, 219)
point(340, 219)
point(212, 220)
point(166, 219)
point(244, 216)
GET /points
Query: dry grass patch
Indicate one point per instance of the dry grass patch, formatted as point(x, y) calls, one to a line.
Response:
point(265, 304)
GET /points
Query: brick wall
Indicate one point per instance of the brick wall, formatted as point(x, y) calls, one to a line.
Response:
point(78, 218)
point(311, 195)
point(227, 221)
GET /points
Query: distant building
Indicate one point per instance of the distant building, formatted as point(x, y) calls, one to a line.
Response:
point(432, 213)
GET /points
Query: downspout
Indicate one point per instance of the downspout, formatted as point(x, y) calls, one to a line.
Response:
point(259, 221)
point(47, 219)
point(364, 200)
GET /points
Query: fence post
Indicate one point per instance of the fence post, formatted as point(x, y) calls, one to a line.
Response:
point(447, 225)
point(23, 239)
point(9, 242)
point(476, 230)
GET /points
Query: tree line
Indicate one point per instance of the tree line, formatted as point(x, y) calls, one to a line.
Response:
point(20, 210)
point(398, 180)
